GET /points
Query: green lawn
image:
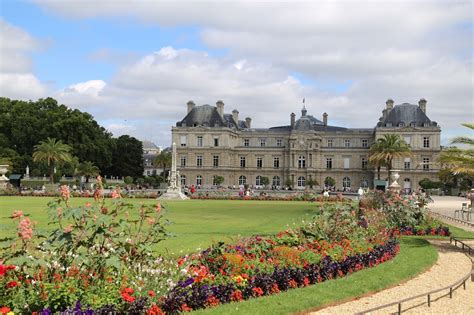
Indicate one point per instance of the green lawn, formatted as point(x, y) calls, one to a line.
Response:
point(194, 223)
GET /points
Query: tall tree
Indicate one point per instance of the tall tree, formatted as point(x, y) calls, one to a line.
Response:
point(460, 160)
point(163, 160)
point(376, 160)
point(53, 152)
point(88, 170)
point(127, 157)
point(387, 148)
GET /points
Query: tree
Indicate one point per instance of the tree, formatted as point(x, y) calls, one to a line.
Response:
point(88, 170)
point(329, 181)
point(218, 180)
point(127, 157)
point(288, 182)
point(163, 160)
point(457, 160)
point(54, 152)
point(311, 182)
point(387, 148)
point(375, 160)
point(264, 181)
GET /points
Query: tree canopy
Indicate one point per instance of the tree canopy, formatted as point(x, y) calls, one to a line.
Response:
point(460, 161)
point(53, 152)
point(127, 157)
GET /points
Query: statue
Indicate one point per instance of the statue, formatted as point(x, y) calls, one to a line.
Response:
point(173, 192)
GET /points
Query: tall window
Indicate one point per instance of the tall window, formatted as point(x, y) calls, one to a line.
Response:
point(347, 143)
point(216, 142)
point(258, 181)
point(301, 161)
point(242, 180)
point(330, 143)
point(183, 141)
point(246, 142)
point(263, 142)
point(301, 181)
point(259, 162)
point(183, 161)
point(183, 180)
point(364, 182)
point(279, 142)
point(199, 161)
point(242, 161)
point(346, 163)
point(328, 163)
point(276, 162)
point(199, 180)
point(364, 163)
point(365, 143)
point(426, 164)
point(346, 182)
point(407, 140)
point(215, 161)
point(276, 181)
point(199, 141)
point(407, 163)
point(426, 142)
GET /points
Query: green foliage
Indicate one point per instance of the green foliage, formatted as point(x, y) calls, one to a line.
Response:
point(163, 160)
point(53, 152)
point(330, 182)
point(460, 160)
point(128, 180)
point(88, 170)
point(426, 183)
point(127, 157)
point(218, 180)
point(385, 149)
point(264, 181)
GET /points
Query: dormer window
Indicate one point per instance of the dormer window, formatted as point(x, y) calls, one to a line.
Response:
point(401, 124)
point(388, 124)
point(426, 124)
point(413, 124)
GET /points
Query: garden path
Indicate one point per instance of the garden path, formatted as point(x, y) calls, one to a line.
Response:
point(446, 205)
point(450, 267)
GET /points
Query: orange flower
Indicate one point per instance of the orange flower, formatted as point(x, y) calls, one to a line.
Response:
point(17, 214)
point(151, 293)
point(186, 308)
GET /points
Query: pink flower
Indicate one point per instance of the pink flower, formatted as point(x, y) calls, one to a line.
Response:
point(17, 214)
point(68, 229)
point(64, 191)
point(158, 208)
point(88, 204)
point(116, 193)
point(25, 229)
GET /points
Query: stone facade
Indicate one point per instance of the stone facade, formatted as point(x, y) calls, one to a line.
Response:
point(212, 143)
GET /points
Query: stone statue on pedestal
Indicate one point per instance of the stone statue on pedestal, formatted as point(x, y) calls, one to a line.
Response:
point(173, 192)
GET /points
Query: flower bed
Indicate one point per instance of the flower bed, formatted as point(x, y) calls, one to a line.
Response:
point(291, 197)
point(420, 231)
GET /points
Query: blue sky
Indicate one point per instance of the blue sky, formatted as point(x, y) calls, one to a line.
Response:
point(134, 65)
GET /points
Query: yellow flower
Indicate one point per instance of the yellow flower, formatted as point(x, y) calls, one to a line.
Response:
point(10, 313)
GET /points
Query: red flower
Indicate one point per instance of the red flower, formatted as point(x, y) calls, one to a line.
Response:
point(306, 281)
point(236, 296)
point(212, 301)
point(126, 295)
point(257, 291)
point(12, 284)
point(292, 283)
point(3, 270)
point(186, 308)
point(4, 310)
point(151, 293)
point(155, 310)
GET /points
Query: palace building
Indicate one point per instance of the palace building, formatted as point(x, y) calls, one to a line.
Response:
point(211, 143)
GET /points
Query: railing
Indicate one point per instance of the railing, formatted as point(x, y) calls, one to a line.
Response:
point(428, 295)
point(471, 224)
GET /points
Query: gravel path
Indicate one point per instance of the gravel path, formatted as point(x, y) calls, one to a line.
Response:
point(450, 267)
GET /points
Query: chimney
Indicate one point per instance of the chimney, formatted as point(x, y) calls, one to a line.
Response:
point(389, 104)
point(190, 106)
point(422, 104)
point(292, 120)
point(235, 116)
point(384, 113)
point(325, 119)
point(220, 108)
point(248, 122)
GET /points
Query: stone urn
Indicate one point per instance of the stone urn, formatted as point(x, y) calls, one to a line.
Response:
point(3, 178)
point(394, 186)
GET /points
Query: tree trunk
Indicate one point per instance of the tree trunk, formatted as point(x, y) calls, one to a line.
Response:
point(51, 173)
point(389, 168)
point(378, 172)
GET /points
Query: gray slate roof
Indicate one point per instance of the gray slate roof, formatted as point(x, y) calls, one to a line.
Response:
point(149, 145)
point(408, 114)
point(207, 116)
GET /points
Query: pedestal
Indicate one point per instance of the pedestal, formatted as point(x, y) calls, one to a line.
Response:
point(173, 193)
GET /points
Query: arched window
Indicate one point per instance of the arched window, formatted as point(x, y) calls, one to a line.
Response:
point(301, 161)
point(242, 180)
point(258, 181)
point(183, 180)
point(199, 180)
point(276, 181)
point(346, 182)
point(301, 181)
point(364, 182)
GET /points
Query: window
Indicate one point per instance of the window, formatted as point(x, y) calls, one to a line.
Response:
point(183, 141)
point(426, 164)
point(242, 180)
point(413, 124)
point(301, 161)
point(328, 163)
point(346, 182)
point(199, 161)
point(365, 143)
point(276, 181)
point(276, 162)
point(347, 143)
point(246, 142)
point(401, 124)
point(407, 163)
point(183, 161)
point(215, 181)
point(183, 180)
point(199, 141)
point(301, 181)
point(364, 182)
point(426, 142)
point(199, 180)
point(258, 181)
point(263, 142)
point(347, 163)
point(364, 163)
point(259, 162)
point(330, 143)
point(215, 161)
point(279, 142)
point(407, 139)
point(216, 142)
point(242, 161)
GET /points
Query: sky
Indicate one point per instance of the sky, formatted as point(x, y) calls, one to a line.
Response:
point(135, 64)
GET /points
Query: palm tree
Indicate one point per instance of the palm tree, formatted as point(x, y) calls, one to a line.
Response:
point(88, 169)
point(386, 149)
point(53, 152)
point(163, 160)
point(460, 161)
point(376, 160)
